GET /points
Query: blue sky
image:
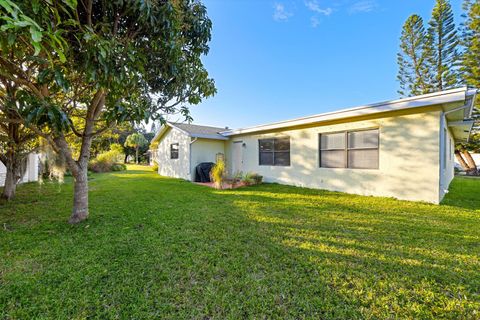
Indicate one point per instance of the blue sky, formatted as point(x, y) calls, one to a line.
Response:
point(277, 60)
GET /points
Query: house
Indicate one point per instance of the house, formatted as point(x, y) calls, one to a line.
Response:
point(401, 148)
point(31, 171)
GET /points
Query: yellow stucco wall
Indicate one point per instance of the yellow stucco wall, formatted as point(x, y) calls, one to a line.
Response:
point(447, 172)
point(177, 168)
point(205, 150)
point(408, 157)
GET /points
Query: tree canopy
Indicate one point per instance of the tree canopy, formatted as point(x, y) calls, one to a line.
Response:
point(85, 67)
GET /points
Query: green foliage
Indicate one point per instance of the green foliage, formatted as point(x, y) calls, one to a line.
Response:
point(413, 70)
point(155, 166)
point(218, 174)
point(119, 167)
point(471, 42)
point(251, 178)
point(429, 61)
point(441, 50)
point(166, 248)
point(136, 140)
point(105, 161)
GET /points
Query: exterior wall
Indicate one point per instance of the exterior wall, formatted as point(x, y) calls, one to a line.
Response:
point(205, 150)
point(31, 173)
point(176, 168)
point(409, 150)
point(447, 158)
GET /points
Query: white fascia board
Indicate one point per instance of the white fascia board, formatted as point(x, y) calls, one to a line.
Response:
point(437, 98)
point(160, 132)
point(211, 137)
point(464, 123)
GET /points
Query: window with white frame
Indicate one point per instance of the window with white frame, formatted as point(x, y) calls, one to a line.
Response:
point(350, 149)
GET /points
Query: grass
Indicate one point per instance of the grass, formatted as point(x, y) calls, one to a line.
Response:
point(163, 248)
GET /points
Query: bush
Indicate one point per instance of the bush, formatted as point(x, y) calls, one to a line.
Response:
point(218, 174)
point(258, 179)
point(155, 166)
point(119, 167)
point(105, 161)
point(252, 178)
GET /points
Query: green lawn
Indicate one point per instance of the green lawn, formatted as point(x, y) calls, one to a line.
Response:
point(163, 248)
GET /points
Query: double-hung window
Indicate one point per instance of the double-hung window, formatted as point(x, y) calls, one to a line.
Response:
point(274, 152)
point(174, 151)
point(350, 149)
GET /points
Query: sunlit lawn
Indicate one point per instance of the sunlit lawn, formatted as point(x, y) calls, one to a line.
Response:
point(163, 248)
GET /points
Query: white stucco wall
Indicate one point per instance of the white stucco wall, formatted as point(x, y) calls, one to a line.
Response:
point(408, 158)
point(177, 168)
point(205, 150)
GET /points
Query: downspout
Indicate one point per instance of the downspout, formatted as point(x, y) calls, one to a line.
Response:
point(190, 158)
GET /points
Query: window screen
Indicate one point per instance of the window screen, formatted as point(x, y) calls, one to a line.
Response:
point(174, 151)
point(352, 149)
point(363, 149)
point(332, 150)
point(274, 152)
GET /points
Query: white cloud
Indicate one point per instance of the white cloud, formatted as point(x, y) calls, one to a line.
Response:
point(314, 6)
point(280, 13)
point(363, 6)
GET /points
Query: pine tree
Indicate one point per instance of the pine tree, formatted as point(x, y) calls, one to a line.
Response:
point(412, 69)
point(470, 73)
point(470, 69)
point(441, 48)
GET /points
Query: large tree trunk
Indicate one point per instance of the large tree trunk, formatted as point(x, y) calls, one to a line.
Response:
point(472, 167)
point(136, 155)
point(460, 159)
point(80, 196)
point(79, 168)
point(10, 184)
point(14, 162)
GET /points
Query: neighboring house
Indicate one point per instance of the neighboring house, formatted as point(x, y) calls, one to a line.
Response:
point(402, 148)
point(31, 172)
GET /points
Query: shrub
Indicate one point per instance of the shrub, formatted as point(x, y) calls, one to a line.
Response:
point(105, 161)
point(155, 166)
point(247, 179)
point(252, 178)
point(258, 179)
point(218, 174)
point(119, 167)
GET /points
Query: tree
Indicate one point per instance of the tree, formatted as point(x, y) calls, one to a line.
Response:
point(87, 67)
point(16, 141)
point(413, 72)
point(136, 140)
point(470, 73)
point(441, 48)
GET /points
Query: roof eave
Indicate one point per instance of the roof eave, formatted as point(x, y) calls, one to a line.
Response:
point(426, 100)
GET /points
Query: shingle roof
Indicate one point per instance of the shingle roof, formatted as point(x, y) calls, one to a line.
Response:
point(197, 131)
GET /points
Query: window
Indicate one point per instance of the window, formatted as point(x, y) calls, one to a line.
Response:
point(274, 152)
point(352, 149)
point(174, 151)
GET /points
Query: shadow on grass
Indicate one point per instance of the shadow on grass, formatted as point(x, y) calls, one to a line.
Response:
point(156, 247)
